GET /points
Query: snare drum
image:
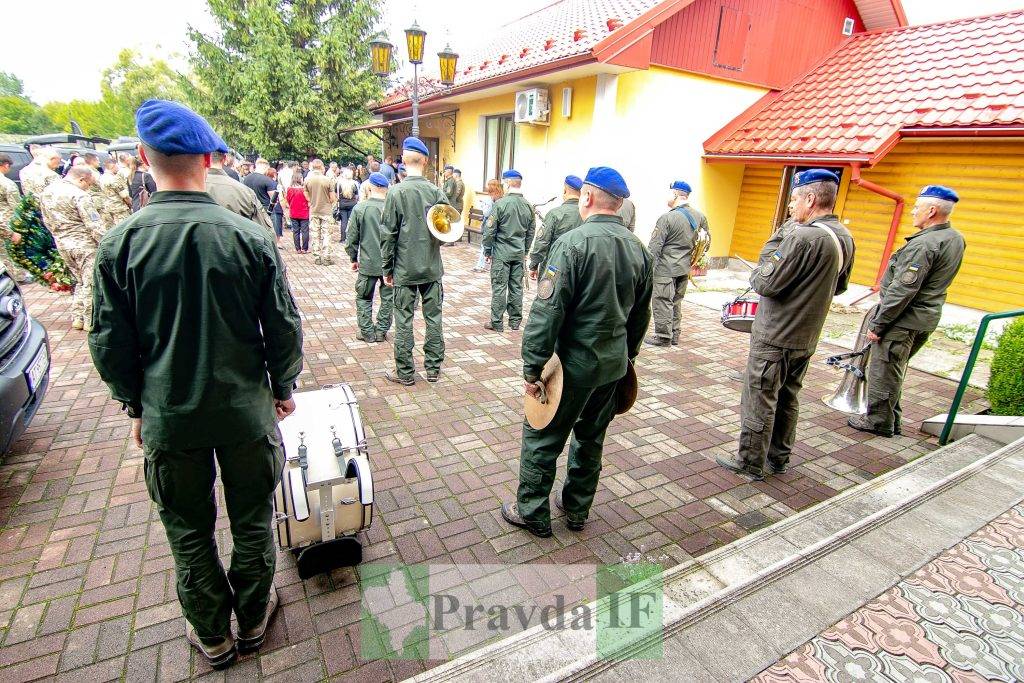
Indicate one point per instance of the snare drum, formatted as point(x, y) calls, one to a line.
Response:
point(739, 314)
point(326, 489)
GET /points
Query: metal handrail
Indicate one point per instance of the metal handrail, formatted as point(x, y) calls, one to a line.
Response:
point(969, 368)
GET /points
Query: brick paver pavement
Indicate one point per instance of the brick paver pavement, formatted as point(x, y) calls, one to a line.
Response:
point(86, 579)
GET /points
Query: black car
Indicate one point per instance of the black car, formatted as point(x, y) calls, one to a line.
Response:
point(24, 363)
point(20, 158)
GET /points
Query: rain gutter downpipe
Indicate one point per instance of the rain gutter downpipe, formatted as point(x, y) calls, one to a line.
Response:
point(894, 226)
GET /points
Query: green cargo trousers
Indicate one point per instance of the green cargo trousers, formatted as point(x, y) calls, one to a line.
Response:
point(432, 295)
point(506, 293)
point(585, 412)
point(366, 286)
point(666, 305)
point(181, 485)
point(887, 366)
point(769, 404)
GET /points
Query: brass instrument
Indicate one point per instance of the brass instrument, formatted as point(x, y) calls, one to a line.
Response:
point(445, 223)
point(851, 394)
point(701, 244)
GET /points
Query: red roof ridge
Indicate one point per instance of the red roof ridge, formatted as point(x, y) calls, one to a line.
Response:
point(932, 24)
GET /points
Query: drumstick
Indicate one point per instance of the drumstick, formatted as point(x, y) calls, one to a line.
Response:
point(744, 262)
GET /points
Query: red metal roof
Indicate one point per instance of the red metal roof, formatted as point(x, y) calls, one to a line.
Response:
point(559, 31)
point(956, 75)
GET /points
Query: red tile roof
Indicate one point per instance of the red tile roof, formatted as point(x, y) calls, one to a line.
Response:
point(853, 105)
point(561, 30)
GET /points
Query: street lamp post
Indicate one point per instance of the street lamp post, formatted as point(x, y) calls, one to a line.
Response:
point(415, 39)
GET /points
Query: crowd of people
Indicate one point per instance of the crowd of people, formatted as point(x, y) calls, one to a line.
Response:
point(194, 328)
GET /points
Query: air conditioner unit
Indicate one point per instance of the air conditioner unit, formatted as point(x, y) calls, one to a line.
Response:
point(532, 107)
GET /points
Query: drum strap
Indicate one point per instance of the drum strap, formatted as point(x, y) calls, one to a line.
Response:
point(835, 243)
point(689, 216)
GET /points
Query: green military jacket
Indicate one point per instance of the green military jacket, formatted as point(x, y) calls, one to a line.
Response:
point(557, 222)
point(627, 212)
point(236, 197)
point(797, 283)
point(672, 241)
point(915, 282)
point(362, 241)
point(460, 194)
point(593, 304)
point(508, 232)
point(194, 324)
point(407, 249)
point(448, 187)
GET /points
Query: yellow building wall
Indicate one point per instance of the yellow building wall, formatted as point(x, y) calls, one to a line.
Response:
point(989, 176)
point(663, 118)
point(544, 154)
point(755, 210)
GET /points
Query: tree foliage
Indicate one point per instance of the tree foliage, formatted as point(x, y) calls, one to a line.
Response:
point(281, 77)
point(18, 114)
point(125, 85)
point(23, 117)
point(1006, 381)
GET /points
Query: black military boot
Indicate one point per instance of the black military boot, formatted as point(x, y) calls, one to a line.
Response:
point(510, 513)
point(861, 424)
point(573, 524)
point(655, 340)
point(739, 467)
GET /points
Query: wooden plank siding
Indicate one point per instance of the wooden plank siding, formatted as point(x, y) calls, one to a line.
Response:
point(785, 38)
point(989, 177)
point(755, 212)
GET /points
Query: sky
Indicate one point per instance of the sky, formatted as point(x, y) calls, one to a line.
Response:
point(160, 29)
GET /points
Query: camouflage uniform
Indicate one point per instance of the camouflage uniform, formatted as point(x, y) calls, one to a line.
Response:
point(76, 227)
point(96, 192)
point(115, 192)
point(10, 197)
point(35, 178)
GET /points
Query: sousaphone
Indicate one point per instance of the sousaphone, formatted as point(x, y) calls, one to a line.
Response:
point(445, 223)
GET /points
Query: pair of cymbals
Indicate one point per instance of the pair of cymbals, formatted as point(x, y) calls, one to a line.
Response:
point(540, 411)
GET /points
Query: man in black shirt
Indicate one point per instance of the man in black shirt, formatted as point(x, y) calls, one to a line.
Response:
point(263, 186)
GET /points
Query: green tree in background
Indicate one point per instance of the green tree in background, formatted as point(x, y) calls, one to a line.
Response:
point(125, 85)
point(18, 114)
point(283, 76)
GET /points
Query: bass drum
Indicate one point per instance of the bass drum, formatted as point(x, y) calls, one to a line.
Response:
point(298, 511)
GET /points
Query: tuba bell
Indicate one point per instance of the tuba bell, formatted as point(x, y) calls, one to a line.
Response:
point(851, 394)
point(444, 223)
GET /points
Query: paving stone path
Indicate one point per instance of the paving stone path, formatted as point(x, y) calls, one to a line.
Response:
point(86, 577)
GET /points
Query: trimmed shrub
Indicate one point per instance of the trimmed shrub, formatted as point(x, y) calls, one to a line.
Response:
point(1006, 383)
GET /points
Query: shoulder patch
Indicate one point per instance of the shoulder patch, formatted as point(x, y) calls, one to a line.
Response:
point(909, 275)
point(546, 286)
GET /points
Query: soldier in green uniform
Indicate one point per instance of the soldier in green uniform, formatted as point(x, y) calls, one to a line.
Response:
point(913, 292)
point(557, 222)
point(672, 246)
point(411, 263)
point(10, 198)
point(448, 186)
point(508, 234)
point(196, 333)
point(796, 283)
point(458, 201)
point(362, 243)
point(593, 307)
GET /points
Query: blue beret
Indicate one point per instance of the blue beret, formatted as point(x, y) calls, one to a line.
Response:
point(171, 128)
point(574, 182)
point(448, 167)
point(379, 179)
point(940, 192)
point(512, 174)
point(815, 175)
point(401, 167)
point(415, 145)
point(609, 180)
point(680, 185)
point(457, 170)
